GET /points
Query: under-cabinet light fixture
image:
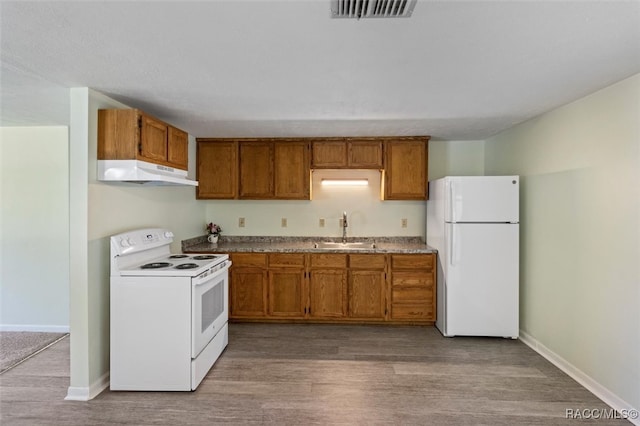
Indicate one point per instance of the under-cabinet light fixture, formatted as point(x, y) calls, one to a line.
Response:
point(345, 182)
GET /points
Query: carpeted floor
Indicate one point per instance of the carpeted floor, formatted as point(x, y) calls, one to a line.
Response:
point(16, 346)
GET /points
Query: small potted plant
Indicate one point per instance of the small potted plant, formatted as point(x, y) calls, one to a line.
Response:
point(214, 232)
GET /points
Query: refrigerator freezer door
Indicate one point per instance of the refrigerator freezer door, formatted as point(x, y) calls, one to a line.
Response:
point(482, 280)
point(482, 199)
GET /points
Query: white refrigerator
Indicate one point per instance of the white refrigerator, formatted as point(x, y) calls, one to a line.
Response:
point(473, 222)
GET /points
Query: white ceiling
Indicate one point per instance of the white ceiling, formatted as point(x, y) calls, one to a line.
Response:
point(454, 70)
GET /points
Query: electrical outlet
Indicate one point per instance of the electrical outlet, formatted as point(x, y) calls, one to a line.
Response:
point(321, 222)
point(340, 223)
point(404, 223)
point(283, 222)
point(241, 222)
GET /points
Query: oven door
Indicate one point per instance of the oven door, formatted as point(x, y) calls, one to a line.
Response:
point(209, 306)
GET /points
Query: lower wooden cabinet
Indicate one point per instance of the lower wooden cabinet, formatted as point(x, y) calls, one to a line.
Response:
point(286, 295)
point(327, 286)
point(367, 286)
point(413, 280)
point(327, 291)
point(248, 286)
point(396, 288)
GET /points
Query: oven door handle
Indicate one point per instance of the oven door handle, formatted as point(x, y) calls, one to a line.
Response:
point(205, 278)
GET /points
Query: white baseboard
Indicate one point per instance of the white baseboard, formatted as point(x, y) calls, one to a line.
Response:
point(40, 328)
point(87, 393)
point(579, 376)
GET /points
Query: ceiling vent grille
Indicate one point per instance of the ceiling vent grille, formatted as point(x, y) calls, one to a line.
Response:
point(372, 8)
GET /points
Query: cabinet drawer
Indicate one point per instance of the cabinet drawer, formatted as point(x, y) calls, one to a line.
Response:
point(367, 261)
point(412, 294)
point(412, 261)
point(286, 259)
point(416, 311)
point(249, 259)
point(412, 279)
point(329, 260)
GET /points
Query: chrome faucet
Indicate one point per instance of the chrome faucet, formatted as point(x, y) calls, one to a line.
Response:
point(344, 227)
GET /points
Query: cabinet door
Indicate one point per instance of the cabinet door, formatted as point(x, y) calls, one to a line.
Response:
point(329, 154)
point(286, 293)
point(291, 170)
point(256, 170)
point(365, 154)
point(248, 288)
point(367, 295)
point(118, 134)
point(178, 148)
point(328, 294)
point(153, 140)
point(217, 170)
point(405, 170)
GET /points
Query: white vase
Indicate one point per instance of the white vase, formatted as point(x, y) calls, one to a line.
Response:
point(212, 238)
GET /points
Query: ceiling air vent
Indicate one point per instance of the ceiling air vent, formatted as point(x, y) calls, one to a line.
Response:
point(372, 8)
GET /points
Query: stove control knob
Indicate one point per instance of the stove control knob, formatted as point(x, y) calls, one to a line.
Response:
point(124, 243)
point(168, 234)
point(131, 242)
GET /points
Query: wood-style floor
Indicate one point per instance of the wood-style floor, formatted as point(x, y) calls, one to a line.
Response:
point(286, 374)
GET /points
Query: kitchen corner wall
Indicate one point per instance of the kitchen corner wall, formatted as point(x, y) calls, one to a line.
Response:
point(34, 229)
point(367, 214)
point(99, 210)
point(580, 235)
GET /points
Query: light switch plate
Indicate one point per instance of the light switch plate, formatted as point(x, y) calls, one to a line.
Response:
point(241, 222)
point(321, 222)
point(283, 222)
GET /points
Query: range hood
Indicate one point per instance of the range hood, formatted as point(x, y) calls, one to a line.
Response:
point(141, 172)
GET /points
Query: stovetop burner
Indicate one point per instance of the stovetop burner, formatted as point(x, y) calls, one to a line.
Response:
point(178, 256)
point(187, 266)
point(155, 265)
point(204, 257)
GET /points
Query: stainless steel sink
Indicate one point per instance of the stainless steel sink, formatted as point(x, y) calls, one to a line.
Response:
point(329, 245)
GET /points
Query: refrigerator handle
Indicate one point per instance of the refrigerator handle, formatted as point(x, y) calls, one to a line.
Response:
point(452, 195)
point(452, 251)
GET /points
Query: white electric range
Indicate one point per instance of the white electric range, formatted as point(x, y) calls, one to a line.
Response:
point(169, 312)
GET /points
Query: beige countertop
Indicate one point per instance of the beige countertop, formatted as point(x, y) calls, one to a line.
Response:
point(235, 244)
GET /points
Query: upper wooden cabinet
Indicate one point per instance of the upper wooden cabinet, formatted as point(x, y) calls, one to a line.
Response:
point(130, 134)
point(258, 169)
point(405, 171)
point(347, 153)
point(217, 169)
point(329, 154)
point(280, 168)
point(274, 170)
point(292, 179)
point(178, 146)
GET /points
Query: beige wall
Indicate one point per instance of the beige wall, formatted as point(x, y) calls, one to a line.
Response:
point(456, 158)
point(34, 229)
point(367, 214)
point(580, 231)
point(99, 210)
